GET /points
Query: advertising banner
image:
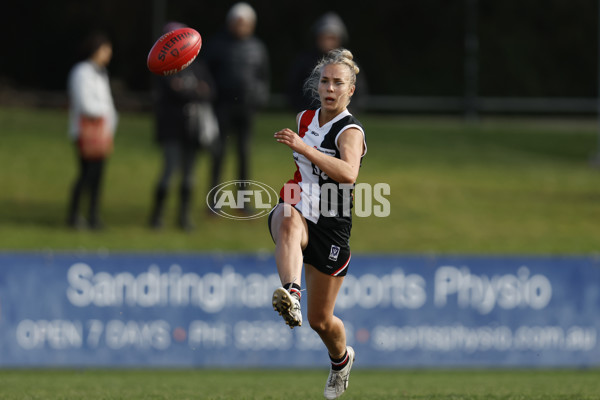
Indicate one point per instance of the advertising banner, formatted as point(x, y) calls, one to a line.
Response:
point(214, 310)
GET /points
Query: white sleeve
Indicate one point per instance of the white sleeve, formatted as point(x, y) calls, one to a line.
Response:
point(356, 127)
point(90, 95)
point(85, 87)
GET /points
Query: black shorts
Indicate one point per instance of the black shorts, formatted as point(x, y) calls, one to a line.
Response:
point(328, 248)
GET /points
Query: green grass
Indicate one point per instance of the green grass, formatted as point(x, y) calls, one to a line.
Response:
point(500, 186)
point(301, 384)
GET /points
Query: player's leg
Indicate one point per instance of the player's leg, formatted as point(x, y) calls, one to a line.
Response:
point(290, 234)
point(322, 291)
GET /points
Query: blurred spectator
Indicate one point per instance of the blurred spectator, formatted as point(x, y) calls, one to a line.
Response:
point(92, 124)
point(184, 122)
point(240, 65)
point(328, 32)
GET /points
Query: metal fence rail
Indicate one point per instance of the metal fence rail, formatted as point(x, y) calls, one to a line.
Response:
point(142, 101)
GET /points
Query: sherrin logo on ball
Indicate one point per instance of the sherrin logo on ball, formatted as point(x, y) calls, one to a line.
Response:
point(174, 51)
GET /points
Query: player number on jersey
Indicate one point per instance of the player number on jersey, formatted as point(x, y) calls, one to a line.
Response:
point(317, 171)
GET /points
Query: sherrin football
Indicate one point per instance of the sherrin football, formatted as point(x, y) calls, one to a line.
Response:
point(174, 51)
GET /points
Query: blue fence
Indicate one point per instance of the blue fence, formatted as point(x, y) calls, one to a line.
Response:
point(214, 311)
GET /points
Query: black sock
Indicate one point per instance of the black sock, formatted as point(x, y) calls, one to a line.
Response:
point(340, 363)
point(293, 288)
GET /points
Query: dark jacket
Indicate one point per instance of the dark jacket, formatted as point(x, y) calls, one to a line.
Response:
point(174, 93)
point(240, 68)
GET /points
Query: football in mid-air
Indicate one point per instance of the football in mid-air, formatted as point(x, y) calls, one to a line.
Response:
point(174, 51)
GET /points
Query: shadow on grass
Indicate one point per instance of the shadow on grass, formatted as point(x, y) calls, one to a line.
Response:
point(53, 214)
point(33, 212)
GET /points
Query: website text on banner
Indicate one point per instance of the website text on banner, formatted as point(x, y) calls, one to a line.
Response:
point(209, 310)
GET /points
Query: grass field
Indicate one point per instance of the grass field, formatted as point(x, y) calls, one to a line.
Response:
point(498, 186)
point(298, 384)
point(501, 186)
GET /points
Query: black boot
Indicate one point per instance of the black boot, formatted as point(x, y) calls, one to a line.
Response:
point(157, 210)
point(185, 220)
point(94, 222)
point(74, 220)
point(96, 171)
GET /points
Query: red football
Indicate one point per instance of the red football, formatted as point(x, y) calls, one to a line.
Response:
point(174, 51)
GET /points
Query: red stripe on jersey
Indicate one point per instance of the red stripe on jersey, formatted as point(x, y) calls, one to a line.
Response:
point(290, 192)
point(305, 121)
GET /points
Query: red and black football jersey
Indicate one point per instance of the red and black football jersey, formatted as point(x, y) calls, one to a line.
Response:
point(319, 198)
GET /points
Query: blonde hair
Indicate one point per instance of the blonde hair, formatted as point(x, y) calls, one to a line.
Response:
point(339, 56)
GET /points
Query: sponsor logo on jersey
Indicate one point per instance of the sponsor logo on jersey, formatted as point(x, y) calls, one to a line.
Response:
point(329, 152)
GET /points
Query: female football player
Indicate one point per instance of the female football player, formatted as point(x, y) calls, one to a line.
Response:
point(311, 224)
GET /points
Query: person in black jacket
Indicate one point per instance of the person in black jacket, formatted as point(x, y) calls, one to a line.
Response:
point(240, 65)
point(178, 124)
point(328, 33)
